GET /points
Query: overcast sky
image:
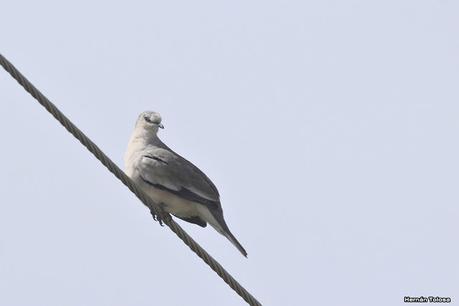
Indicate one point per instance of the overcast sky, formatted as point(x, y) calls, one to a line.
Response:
point(329, 127)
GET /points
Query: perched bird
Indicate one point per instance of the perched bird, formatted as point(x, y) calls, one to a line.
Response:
point(173, 182)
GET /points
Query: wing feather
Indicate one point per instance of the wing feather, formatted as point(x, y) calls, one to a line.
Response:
point(168, 171)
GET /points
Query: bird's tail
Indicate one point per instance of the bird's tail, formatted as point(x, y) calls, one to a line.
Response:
point(223, 229)
point(234, 241)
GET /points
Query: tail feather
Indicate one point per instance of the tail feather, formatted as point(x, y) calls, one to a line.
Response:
point(215, 218)
point(223, 229)
point(234, 241)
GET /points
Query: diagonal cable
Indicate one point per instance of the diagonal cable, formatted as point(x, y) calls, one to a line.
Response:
point(113, 168)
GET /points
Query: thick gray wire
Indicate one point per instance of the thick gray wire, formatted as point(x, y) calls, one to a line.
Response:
point(113, 168)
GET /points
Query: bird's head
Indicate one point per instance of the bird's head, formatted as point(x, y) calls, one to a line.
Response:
point(150, 121)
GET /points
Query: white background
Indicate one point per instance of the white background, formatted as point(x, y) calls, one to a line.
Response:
point(329, 127)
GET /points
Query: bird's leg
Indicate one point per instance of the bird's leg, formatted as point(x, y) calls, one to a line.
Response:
point(159, 214)
point(156, 215)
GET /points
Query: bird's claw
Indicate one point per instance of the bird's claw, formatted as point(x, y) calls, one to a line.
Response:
point(159, 215)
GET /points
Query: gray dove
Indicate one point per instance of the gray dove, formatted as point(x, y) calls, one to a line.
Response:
point(173, 182)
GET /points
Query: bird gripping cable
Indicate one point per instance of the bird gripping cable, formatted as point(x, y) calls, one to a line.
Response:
point(113, 168)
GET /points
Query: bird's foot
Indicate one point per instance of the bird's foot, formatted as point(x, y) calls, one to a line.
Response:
point(159, 215)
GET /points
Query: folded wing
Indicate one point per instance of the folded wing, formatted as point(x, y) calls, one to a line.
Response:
point(169, 171)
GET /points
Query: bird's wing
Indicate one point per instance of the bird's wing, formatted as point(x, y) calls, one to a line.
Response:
point(168, 171)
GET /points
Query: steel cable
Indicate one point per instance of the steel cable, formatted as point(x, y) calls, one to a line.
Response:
point(157, 213)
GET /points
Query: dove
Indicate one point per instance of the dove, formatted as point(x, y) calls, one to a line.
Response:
point(171, 181)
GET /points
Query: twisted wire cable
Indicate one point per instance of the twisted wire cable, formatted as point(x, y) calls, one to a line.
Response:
point(157, 213)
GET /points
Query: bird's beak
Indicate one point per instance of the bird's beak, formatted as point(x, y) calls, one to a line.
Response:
point(161, 126)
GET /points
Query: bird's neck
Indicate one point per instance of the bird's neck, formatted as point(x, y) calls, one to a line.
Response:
point(140, 139)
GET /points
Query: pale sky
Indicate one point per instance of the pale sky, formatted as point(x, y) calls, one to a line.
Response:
point(329, 127)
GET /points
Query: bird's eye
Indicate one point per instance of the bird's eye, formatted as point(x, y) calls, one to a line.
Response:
point(147, 119)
